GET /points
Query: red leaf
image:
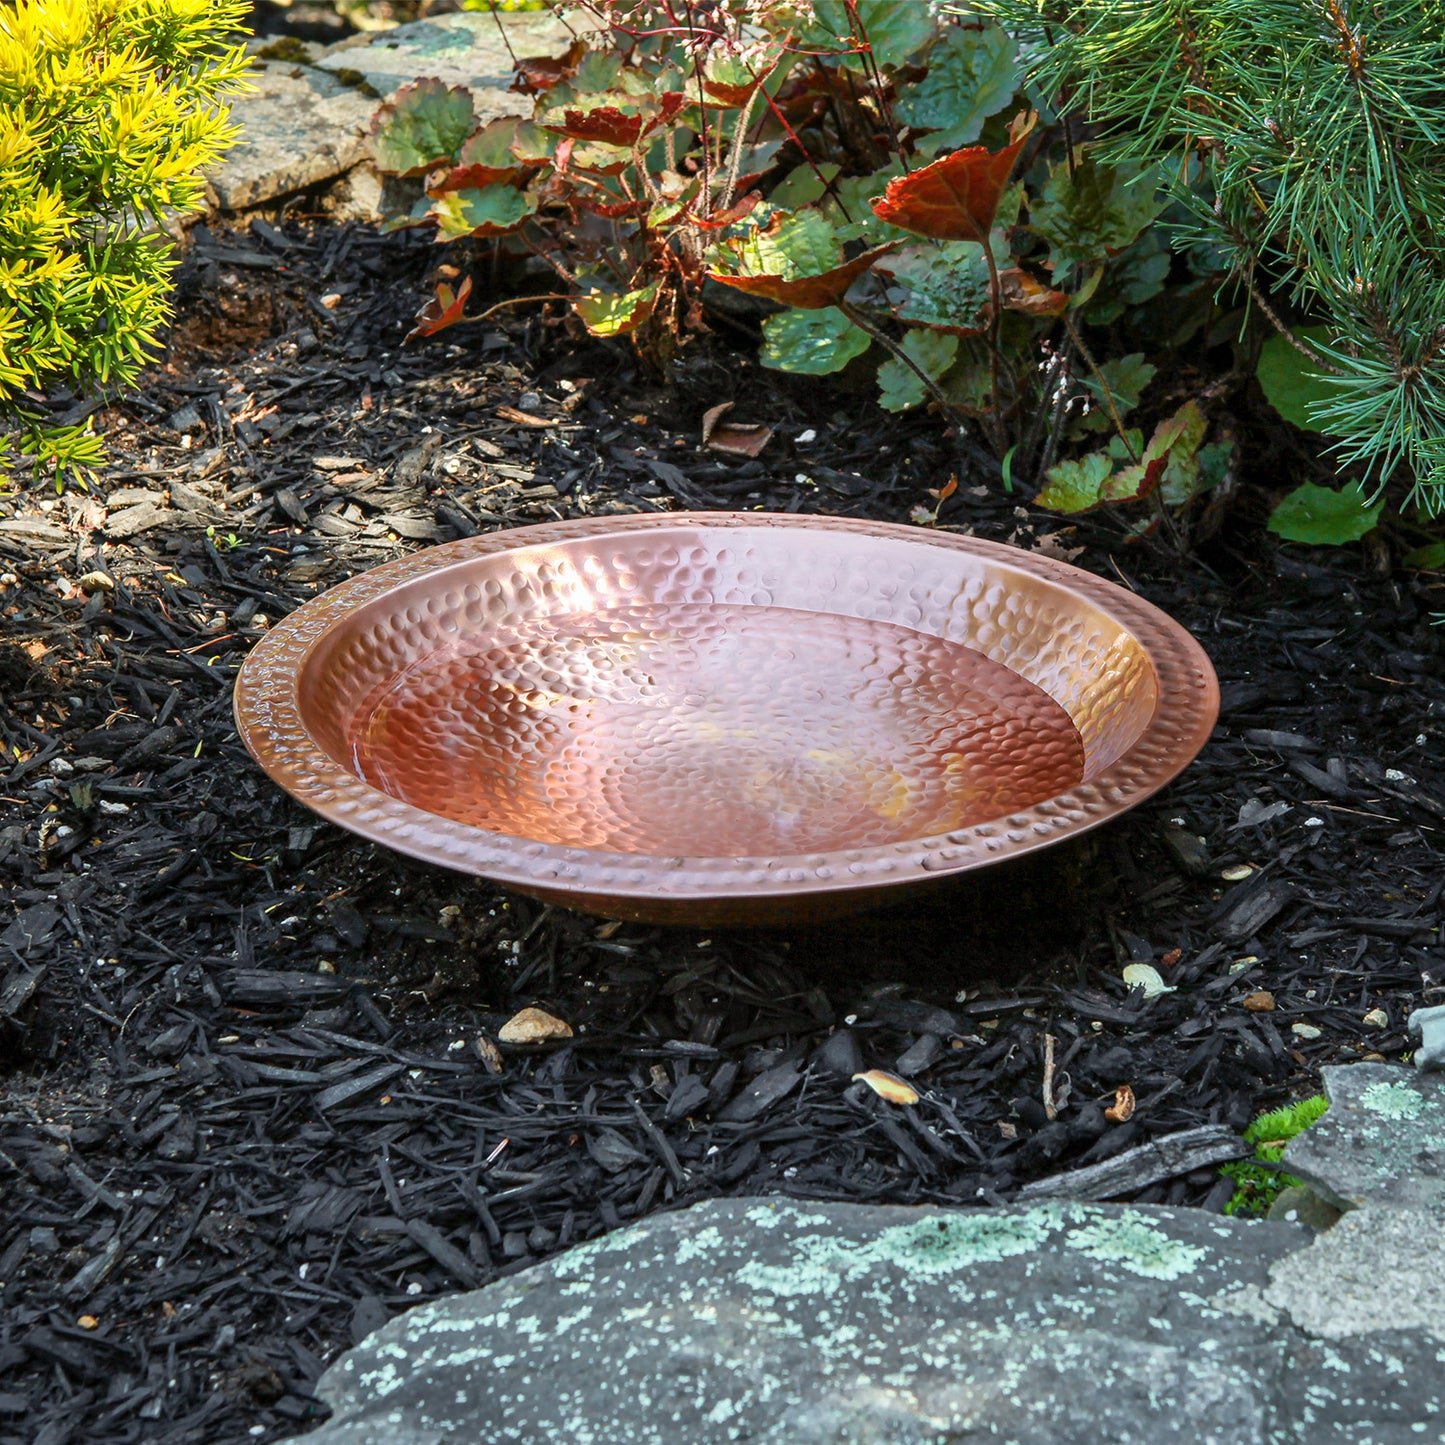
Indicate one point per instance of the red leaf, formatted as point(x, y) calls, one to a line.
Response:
point(615, 127)
point(443, 310)
point(537, 73)
point(606, 123)
point(720, 220)
point(726, 94)
point(954, 199)
point(613, 210)
point(472, 178)
point(809, 292)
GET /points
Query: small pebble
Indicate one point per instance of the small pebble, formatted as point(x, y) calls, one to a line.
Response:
point(1236, 872)
point(1304, 1031)
point(1261, 1001)
point(1377, 1018)
point(533, 1026)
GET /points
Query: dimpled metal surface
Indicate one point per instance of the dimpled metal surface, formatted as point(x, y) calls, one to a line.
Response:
point(723, 717)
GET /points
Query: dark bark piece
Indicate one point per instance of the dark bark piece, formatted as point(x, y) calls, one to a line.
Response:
point(1137, 1168)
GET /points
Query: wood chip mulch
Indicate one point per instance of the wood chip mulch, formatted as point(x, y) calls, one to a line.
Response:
point(252, 1097)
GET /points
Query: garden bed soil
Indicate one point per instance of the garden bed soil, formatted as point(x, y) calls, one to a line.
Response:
point(253, 1101)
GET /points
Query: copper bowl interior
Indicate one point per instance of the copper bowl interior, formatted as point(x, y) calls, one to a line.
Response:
point(640, 716)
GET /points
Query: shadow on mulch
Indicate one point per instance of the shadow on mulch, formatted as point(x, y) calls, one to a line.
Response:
point(252, 1100)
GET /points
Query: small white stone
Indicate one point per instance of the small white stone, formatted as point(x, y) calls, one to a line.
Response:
point(1305, 1031)
point(1377, 1018)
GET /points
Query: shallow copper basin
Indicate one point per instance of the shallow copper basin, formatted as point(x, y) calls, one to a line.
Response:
point(723, 717)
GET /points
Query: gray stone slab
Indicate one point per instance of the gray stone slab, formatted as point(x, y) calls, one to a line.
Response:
point(782, 1323)
point(1376, 1270)
point(300, 126)
point(1382, 1142)
point(467, 48)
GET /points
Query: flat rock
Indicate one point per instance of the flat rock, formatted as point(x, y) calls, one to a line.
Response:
point(1374, 1271)
point(784, 1323)
point(301, 126)
point(466, 48)
point(1382, 1142)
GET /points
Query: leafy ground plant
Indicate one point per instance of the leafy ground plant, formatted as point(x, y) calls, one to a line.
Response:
point(1299, 140)
point(1259, 1181)
point(108, 111)
point(873, 176)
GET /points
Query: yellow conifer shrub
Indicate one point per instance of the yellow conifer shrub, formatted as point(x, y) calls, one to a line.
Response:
point(109, 110)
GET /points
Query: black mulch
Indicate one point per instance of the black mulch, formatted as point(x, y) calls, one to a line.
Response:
point(252, 1103)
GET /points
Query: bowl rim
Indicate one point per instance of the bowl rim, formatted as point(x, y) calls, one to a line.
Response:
point(268, 716)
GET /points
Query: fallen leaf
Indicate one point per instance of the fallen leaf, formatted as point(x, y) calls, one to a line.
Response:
point(711, 417)
point(1051, 544)
point(533, 1026)
point(738, 439)
point(1261, 1001)
point(888, 1086)
point(97, 582)
point(489, 1054)
point(1147, 977)
point(1122, 1109)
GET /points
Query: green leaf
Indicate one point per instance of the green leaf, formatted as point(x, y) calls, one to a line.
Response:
point(939, 283)
point(1095, 212)
point(802, 186)
point(811, 343)
point(901, 387)
point(1322, 517)
point(1186, 458)
point(599, 70)
point(971, 76)
point(1430, 558)
point(802, 244)
point(894, 30)
point(1126, 379)
point(1291, 384)
point(426, 123)
point(1130, 279)
point(1076, 486)
point(606, 313)
point(487, 212)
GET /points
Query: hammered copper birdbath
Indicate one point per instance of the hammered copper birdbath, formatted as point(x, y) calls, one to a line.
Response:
point(723, 717)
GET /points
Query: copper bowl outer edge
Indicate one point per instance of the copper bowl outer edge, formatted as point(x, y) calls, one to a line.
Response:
point(700, 890)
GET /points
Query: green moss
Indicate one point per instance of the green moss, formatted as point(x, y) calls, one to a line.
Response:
point(285, 48)
point(1258, 1181)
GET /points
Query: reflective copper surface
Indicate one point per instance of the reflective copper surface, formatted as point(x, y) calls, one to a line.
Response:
point(723, 717)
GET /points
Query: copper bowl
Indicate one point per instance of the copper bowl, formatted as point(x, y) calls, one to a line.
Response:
point(723, 717)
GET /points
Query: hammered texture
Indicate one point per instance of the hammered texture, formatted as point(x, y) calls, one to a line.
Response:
point(668, 716)
point(679, 728)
